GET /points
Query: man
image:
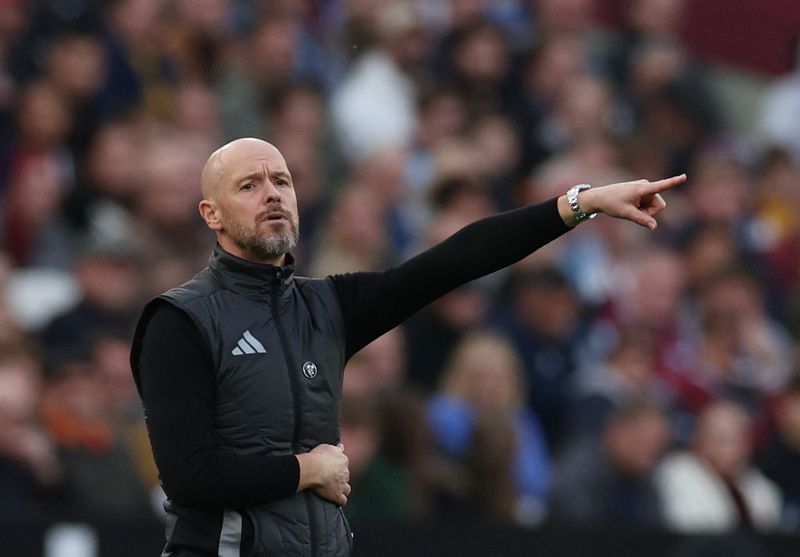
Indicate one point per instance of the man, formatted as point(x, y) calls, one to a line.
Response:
point(240, 369)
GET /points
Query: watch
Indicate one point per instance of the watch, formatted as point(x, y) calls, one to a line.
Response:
point(572, 200)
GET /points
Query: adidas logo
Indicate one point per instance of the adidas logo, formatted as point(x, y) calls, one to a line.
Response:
point(248, 345)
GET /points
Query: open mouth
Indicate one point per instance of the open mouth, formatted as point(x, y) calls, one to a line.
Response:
point(273, 216)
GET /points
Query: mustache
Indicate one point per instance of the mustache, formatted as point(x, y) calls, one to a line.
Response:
point(264, 215)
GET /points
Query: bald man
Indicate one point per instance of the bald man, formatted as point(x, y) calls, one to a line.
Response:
point(240, 369)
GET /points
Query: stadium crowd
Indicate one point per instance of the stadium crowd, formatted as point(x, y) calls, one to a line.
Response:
point(618, 376)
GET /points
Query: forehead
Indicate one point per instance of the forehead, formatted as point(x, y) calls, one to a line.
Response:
point(246, 158)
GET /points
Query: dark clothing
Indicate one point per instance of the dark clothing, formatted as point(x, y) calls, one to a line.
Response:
point(780, 462)
point(588, 489)
point(224, 425)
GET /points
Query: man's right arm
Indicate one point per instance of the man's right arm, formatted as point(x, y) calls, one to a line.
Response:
point(178, 388)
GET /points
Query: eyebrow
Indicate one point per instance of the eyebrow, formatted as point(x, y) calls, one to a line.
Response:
point(260, 174)
point(257, 174)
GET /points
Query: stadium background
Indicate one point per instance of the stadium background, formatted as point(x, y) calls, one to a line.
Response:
point(537, 412)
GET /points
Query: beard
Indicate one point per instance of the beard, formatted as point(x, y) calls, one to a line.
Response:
point(268, 245)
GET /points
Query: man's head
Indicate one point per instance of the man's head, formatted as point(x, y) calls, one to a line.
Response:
point(249, 201)
point(635, 436)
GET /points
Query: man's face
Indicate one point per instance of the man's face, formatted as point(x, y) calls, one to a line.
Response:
point(254, 201)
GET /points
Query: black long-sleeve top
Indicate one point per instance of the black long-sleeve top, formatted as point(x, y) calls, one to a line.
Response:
point(177, 378)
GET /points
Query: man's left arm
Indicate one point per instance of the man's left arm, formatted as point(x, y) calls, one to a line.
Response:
point(373, 303)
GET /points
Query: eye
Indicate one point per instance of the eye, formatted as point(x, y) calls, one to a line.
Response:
point(248, 186)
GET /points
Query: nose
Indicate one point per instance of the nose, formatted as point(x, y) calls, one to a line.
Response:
point(272, 194)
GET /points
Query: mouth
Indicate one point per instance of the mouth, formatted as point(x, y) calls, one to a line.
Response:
point(274, 216)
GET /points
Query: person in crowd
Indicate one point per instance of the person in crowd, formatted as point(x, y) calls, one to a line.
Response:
point(609, 480)
point(482, 390)
point(713, 486)
point(545, 324)
point(780, 459)
point(31, 472)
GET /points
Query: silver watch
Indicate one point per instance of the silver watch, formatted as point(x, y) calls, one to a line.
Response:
point(574, 204)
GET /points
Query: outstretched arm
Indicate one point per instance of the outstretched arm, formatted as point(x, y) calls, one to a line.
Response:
point(373, 303)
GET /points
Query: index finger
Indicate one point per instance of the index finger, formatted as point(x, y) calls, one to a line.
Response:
point(665, 184)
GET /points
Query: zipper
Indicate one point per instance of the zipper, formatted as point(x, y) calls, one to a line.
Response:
point(347, 530)
point(294, 381)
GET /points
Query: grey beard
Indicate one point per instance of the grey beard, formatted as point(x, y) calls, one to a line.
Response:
point(270, 246)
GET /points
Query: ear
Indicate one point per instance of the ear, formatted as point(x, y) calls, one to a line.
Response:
point(211, 214)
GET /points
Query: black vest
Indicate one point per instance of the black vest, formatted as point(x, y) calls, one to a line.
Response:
point(278, 347)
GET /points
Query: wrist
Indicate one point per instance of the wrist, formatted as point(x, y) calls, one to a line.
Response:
point(565, 212)
point(576, 199)
point(588, 202)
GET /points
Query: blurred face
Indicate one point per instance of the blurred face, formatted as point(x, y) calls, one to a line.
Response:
point(659, 283)
point(488, 375)
point(250, 201)
point(113, 161)
point(656, 17)
point(723, 439)
point(495, 139)
point(44, 119)
point(168, 185)
point(483, 57)
point(442, 118)
point(301, 114)
point(195, 109)
point(551, 312)
point(273, 49)
point(585, 106)
point(19, 391)
point(109, 283)
point(36, 190)
point(357, 221)
point(135, 21)
point(636, 444)
point(559, 62)
point(77, 65)
point(720, 192)
point(709, 251)
point(13, 19)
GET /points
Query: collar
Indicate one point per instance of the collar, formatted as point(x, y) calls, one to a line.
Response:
point(245, 277)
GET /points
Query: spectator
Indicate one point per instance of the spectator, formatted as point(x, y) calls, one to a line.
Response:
point(100, 477)
point(111, 288)
point(608, 480)
point(781, 458)
point(374, 107)
point(778, 105)
point(434, 332)
point(30, 469)
point(545, 325)
point(479, 419)
point(629, 374)
point(713, 486)
point(381, 489)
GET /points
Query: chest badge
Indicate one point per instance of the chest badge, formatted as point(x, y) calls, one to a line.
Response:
point(310, 370)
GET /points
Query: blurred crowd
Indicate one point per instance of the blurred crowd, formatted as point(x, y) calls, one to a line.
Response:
point(616, 377)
